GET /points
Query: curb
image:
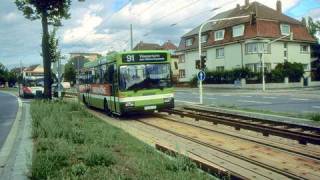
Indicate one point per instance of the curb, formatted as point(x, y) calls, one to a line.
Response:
point(9, 143)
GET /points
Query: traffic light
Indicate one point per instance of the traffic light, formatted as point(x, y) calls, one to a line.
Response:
point(198, 64)
point(203, 62)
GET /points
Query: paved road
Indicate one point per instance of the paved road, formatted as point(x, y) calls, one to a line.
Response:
point(8, 111)
point(294, 101)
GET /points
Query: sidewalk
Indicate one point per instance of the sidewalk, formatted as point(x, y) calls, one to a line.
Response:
point(17, 151)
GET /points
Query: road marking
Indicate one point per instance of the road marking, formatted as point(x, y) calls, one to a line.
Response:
point(212, 98)
point(255, 102)
point(185, 102)
point(269, 97)
point(297, 99)
point(226, 95)
point(246, 96)
point(316, 107)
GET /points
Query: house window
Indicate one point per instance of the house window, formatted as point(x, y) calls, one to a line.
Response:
point(304, 48)
point(182, 59)
point(220, 68)
point(285, 29)
point(238, 30)
point(189, 42)
point(285, 53)
point(219, 35)
point(220, 53)
point(306, 67)
point(182, 73)
point(204, 38)
point(285, 45)
point(253, 48)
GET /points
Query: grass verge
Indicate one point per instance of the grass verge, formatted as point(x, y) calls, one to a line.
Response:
point(69, 143)
point(315, 117)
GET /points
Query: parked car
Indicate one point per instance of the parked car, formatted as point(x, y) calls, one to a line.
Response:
point(31, 89)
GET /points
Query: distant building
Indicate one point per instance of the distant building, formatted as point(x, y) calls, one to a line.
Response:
point(79, 59)
point(33, 72)
point(234, 43)
point(147, 46)
point(89, 56)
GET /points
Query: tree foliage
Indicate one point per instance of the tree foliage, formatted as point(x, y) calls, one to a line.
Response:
point(312, 26)
point(50, 12)
point(70, 73)
point(294, 71)
point(55, 53)
point(54, 10)
point(7, 76)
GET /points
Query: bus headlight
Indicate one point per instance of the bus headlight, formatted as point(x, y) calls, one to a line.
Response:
point(129, 104)
point(167, 100)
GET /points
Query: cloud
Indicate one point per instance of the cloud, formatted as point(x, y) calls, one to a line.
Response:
point(103, 25)
point(11, 17)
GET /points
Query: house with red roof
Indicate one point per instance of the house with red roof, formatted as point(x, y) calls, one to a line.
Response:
point(234, 43)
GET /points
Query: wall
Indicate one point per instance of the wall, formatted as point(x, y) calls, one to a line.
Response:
point(189, 65)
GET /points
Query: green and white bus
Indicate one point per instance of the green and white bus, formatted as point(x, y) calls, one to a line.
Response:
point(133, 81)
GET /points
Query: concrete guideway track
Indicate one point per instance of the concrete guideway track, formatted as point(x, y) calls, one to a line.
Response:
point(301, 168)
point(303, 134)
point(261, 159)
point(310, 151)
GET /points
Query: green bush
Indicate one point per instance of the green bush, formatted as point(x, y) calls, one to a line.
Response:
point(226, 77)
point(79, 169)
point(315, 117)
point(99, 157)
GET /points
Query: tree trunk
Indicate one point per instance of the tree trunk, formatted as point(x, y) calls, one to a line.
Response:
point(46, 56)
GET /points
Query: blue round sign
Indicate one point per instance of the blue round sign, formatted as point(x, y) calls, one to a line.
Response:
point(201, 76)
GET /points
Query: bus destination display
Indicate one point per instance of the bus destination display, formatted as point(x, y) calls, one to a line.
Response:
point(134, 58)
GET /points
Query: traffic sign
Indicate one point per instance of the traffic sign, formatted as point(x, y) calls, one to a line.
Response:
point(201, 76)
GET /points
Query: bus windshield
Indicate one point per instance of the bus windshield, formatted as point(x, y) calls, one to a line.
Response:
point(146, 76)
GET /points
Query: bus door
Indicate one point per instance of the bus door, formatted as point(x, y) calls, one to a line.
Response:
point(113, 83)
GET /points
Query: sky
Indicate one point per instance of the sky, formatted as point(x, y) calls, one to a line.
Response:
point(104, 25)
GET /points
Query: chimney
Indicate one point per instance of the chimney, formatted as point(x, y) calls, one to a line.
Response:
point(279, 7)
point(238, 6)
point(247, 2)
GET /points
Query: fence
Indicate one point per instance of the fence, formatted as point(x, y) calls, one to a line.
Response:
point(286, 84)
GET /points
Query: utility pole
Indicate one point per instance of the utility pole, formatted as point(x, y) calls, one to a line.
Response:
point(200, 50)
point(59, 78)
point(131, 38)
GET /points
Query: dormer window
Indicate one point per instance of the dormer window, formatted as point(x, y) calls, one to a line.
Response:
point(219, 35)
point(285, 29)
point(238, 30)
point(189, 42)
point(204, 38)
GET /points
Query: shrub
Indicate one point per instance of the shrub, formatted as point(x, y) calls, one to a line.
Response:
point(99, 157)
point(315, 117)
point(79, 169)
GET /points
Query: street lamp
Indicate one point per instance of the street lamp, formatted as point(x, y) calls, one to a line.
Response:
point(199, 45)
point(261, 49)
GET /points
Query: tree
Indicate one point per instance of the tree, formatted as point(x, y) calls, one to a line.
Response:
point(3, 74)
point(50, 12)
point(312, 26)
point(70, 73)
point(55, 53)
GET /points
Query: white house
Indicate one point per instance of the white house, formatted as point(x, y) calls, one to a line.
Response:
point(233, 44)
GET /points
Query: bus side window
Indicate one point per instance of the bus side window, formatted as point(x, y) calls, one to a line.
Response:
point(110, 73)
